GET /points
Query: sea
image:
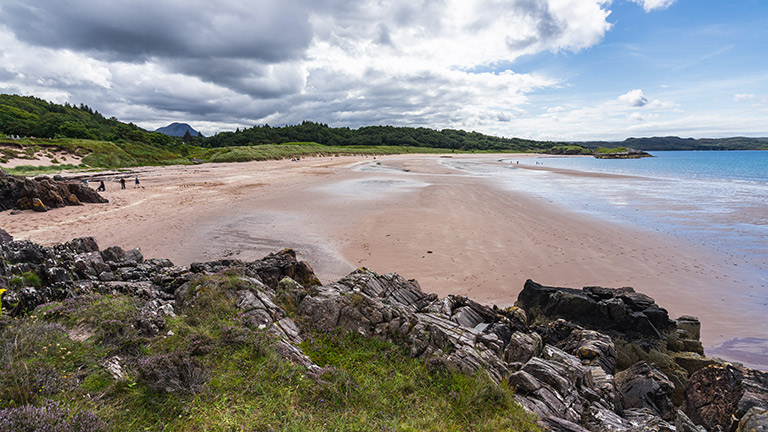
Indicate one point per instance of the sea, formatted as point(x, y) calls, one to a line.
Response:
point(717, 200)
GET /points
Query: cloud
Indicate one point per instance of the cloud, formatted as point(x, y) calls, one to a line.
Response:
point(634, 98)
point(649, 5)
point(740, 97)
point(343, 62)
point(136, 30)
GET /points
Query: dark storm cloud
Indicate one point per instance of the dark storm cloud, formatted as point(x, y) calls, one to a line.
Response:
point(244, 76)
point(271, 31)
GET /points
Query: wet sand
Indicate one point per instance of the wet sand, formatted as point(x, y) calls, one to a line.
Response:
point(454, 232)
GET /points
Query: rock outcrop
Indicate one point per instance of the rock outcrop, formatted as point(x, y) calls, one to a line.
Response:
point(42, 193)
point(720, 396)
point(563, 351)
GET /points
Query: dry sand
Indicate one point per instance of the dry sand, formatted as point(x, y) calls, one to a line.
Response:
point(454, 232)
point(43, 157)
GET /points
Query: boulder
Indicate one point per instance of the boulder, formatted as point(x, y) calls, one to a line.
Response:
point(85, 194)
point(38, 206)
point(522, 347)
point(755, 420)
point(592, 348)
point(619, 309)
point(718, 396)
point(42, 193)
point(643, 386)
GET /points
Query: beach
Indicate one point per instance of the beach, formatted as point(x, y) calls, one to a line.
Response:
point(454, 231)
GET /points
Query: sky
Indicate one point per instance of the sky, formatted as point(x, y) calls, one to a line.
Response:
point(566, 70)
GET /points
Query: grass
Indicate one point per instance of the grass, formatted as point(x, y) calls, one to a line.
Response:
point(98, 155)
point(606, 150)
point(228, 376)
point(291, 150)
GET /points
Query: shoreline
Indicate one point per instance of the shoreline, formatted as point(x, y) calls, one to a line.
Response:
point(453, 232)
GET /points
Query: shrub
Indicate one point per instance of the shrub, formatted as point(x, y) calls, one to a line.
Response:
point(27, 353)
point(50, 417)
point(171, 373)
point(31, 279)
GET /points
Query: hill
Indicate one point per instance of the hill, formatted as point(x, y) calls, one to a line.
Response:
point(450, 139)
point(27, 116)
point(677, 143)
point(178, 130)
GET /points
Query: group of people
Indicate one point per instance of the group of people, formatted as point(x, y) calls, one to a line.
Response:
point(102, 187)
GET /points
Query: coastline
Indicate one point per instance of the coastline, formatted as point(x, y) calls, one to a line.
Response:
point(454, 232)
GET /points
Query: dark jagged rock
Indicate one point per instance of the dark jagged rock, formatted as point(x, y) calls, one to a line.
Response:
point(42, 193)
point(5, 237)
point(84, 193)
point(270, 270)
point(645, 387)
point(640, 329)
point(620, 309)
point(719, 396)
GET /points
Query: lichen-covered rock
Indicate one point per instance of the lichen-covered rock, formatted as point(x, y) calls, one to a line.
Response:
point(592, 348)
point(37, 205)
point(522, 347)
point(718, 396)
point(755, 420)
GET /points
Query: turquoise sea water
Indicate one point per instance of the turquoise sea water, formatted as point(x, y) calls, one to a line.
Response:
point(717, 199)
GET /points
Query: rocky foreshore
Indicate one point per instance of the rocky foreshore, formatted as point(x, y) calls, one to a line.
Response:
point(42, 193)
point(596, 359)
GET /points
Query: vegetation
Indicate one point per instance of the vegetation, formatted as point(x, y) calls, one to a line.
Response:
point(676, 143)
point(608, 150)
point(209, 370)
point(569, 150)
point(27, 116)
point(374, 136)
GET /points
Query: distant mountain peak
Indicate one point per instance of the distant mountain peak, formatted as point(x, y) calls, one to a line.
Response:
point(177, 130)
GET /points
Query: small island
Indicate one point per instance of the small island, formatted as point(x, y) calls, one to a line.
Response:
point(620, 153)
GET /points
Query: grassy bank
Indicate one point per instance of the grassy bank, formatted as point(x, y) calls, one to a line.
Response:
point(208, 370)
point(99, 155)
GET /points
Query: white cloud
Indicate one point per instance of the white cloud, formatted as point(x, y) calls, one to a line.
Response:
point(740, 97)
point(635, 98)
point(649, 5)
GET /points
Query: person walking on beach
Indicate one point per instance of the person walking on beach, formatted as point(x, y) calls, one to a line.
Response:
point(122, 183)
point(101, 187)
point(136, 184)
